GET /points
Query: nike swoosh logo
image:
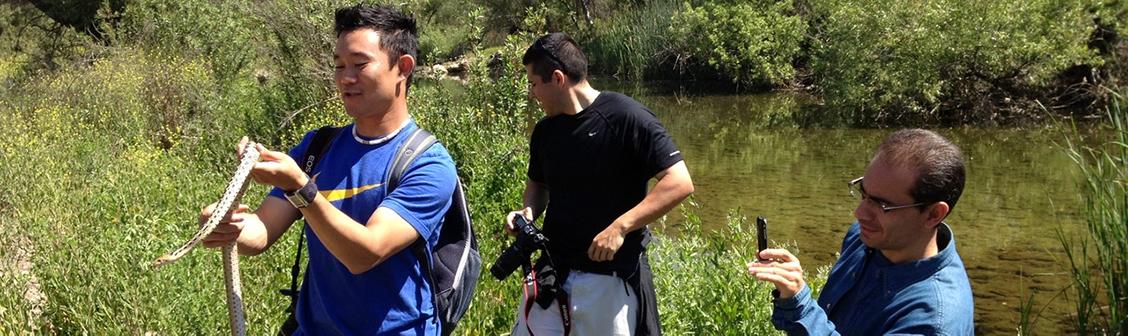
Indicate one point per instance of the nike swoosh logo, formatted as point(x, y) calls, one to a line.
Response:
point(340, 194)
point(592, 133)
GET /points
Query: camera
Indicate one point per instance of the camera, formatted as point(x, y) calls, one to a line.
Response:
point(529, 239)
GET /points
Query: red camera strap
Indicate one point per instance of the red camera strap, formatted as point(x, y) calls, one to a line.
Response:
point(561, 299)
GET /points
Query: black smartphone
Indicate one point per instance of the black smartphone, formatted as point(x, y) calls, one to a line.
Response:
point(761, 234)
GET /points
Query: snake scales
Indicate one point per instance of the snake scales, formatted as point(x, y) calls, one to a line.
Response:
point(230, 199)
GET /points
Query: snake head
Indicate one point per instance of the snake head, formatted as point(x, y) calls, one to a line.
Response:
point(163, 260)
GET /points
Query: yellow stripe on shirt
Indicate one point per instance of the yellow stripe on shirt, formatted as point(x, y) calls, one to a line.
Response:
point(340, 194)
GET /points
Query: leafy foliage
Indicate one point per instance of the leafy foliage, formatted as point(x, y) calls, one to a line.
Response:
point(215, 31)
point(703, 285)
point(750, 42)
point(953, 60)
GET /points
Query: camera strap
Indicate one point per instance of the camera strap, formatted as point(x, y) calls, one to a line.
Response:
point(561, 299)
point(320, 143)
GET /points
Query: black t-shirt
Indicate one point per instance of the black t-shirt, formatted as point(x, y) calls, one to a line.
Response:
point(596, 165)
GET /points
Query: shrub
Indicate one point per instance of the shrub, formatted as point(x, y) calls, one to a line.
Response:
point(515, 16)
point(484, 125)
point(703, 285)
point(752, 42)
point(948, 61)
point(448, 30)
point(1111, 15)
point(218, 32)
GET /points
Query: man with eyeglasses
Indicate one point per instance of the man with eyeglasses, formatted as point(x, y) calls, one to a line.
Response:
point(898, 271)
point(590, 159)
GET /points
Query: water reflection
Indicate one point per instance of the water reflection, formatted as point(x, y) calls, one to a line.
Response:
point(744, 152)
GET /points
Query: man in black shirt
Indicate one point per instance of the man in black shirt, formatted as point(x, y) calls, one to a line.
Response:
point(591, 157)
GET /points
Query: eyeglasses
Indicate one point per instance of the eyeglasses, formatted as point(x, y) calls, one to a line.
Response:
point(859, 192)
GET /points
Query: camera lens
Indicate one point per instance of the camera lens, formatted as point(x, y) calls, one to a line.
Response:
point(508, 262)
point(518, 253)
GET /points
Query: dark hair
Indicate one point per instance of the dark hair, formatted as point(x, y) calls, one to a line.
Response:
point(398, 34)
point(556, 51)
point(938, 163)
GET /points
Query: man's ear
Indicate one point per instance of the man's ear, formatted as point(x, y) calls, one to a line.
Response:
point(936, 214)
point(559, 78)
point(405, 64)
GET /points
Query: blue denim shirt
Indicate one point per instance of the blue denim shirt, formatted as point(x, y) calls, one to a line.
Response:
point(868, 295)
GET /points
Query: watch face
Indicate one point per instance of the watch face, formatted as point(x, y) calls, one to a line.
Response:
point(303, 197)
point(308, 191)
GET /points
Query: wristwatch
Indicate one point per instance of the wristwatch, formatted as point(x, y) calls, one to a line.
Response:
point(303, 196)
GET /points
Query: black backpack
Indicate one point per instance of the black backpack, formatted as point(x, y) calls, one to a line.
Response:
point(457, 263)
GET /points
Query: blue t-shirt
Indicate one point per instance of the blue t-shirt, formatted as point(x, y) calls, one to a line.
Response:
point(393, 298)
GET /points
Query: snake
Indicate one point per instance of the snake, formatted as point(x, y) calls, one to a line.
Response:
point(223, 208)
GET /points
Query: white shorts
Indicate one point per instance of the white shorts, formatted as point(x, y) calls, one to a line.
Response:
point(600, 304)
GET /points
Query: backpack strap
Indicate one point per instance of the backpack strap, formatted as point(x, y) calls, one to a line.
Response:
point(418, 142)
point(322, 138)
point(459, 200)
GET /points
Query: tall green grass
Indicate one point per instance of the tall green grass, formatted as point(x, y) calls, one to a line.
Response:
point(634, 42)
point(1099, 262)
point(104, 166)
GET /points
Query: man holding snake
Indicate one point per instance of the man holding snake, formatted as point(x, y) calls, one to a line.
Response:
point(361, 276)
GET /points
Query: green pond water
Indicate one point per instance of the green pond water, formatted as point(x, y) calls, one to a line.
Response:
point(1021, 189)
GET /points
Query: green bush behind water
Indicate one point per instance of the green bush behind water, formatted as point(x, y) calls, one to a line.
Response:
point(869, 62)
point(109, 157)
point(751, 42)
point(953, 60)
point(878, 62)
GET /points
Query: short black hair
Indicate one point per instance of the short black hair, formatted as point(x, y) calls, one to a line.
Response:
point(398, 32)
point(557, 51)
point(938, 163)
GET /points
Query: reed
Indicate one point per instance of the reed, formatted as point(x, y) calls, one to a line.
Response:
point(633, 43)
point(1099, 261)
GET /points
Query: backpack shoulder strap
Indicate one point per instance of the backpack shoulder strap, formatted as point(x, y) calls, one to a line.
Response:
point(417, 142)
